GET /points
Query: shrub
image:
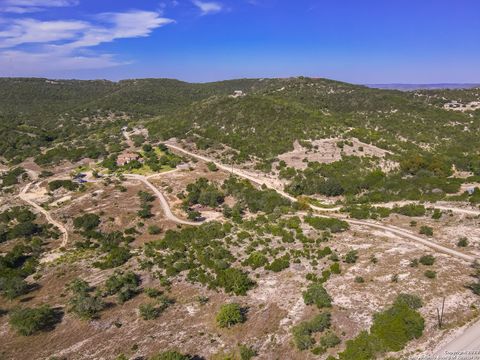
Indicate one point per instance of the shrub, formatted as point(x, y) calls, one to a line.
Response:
point(413, 301)
point(332, 224)
point(302, 333)
point(229, 315)
point(212, 167)
point(149, 311)
point(427, 260)
point(362, 347)
point(396, 326)
point(279, 264)
point(335, 268)
point(392, 329)
point(87, 222)
point(28, 321)
point(330, 340)
point(437, 214)
point(430, 274)
point(359, 279)
point(246, 352)
point(462, 242)
point(125, 285)
point(234, 281)
point(351, 257)
point(316, 294)
point(256, 260)
point(82, 303)
point(410, 210)
point(426, 230)
point(117, 256)
point(154, 230)
point(13, 287)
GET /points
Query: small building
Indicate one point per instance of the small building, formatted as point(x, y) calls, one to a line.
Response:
point(470, 191)
point(183, 166)
point(127, 157)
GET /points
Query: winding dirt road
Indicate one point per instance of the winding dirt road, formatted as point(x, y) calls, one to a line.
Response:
point(163, 201)
point(390, 228)
point(24, 196)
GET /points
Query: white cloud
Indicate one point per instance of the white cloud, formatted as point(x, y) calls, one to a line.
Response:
point(30, 6)
point(208, 7)
point(70, 44)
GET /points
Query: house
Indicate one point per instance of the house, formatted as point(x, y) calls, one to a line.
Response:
point(470, 191)
point(126, 157)
point(183, 166)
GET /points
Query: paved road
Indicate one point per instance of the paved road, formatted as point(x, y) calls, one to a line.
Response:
point(469, 340)
point(163, 202)
point(393, 229)
point(25, 197)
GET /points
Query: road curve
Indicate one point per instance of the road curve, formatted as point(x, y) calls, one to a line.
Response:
point(393, 229)
point(24, 197)
point(163, 202)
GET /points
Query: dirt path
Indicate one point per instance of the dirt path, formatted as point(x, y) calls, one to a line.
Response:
point(430, 205)
point(26, 197)
point(163, 202)
point(393, 229)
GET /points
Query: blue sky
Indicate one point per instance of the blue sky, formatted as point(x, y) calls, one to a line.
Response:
point(360, 41)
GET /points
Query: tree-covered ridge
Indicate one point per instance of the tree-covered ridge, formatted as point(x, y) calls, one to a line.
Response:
point(70, 119)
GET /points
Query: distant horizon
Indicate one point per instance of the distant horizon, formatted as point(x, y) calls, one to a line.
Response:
point(384, 86)
point(368, 42)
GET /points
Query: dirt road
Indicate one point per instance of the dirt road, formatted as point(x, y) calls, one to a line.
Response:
point(393, 229)
point(163, 202)
point(26, 197)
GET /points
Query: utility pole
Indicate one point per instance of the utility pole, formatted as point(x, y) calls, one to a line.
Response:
point(440, 314)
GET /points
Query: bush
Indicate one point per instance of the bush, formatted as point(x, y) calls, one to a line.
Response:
point(427, 260)
point(149, 311)
point(125, 285)
point(462, 242)
point(28, 321)
point(302, 333)
point(82, 303)
point(332, 224)
point(154, 230)
point(396, 326)
point(212, 167)
point(279, 264)
point(117, 256)
point(246, 352)
point(316, 294)
point(87, 222)
point(234, 281)
point(426, 230)
point(430, 274)
point(392, 329)
point(351, 257)
point(412, 301)
point(362, 347)
point(255, 260)
point(229, 315)
point(410, 210)
point(13, 287)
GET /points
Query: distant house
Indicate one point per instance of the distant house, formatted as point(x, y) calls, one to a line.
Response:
point(183, 166)
point(470, 191)
point(127, 157)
